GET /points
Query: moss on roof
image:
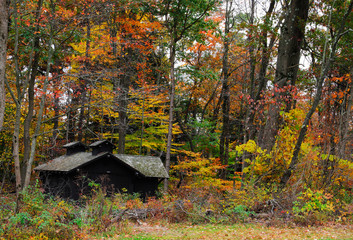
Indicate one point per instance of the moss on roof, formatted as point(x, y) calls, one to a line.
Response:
point(67, 163)
point(148, 166)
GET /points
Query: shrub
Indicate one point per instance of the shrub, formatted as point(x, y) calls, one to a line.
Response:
point(39, 216)
point(237, 213)
point(313, 207)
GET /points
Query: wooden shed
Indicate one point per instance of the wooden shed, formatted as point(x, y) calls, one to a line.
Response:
point(68, 176)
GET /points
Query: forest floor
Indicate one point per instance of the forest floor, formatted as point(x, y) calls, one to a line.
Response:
point(149, 231)
point(47, 218)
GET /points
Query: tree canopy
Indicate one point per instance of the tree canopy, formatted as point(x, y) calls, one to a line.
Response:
point(229, 93)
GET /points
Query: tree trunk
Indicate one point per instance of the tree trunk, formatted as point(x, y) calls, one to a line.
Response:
point(83, 82)
point(248, 121)
point(225, 135)
point(16, 149)
point(345, 117)
point(81, 115)
point(71, 115)
point(128, 69)
point(123, 100)
point(171, 109)
point(18, 102)
point(3, 49)
point(179, 20)
point(42, 104)
point(31, 84)
point(292, 35)
point(29, 117)
point(249, 129)
point(56, 108)
point(252, 59)
point(325, 70)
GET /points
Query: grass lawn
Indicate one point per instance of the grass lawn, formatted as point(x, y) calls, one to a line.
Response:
point(145, 231)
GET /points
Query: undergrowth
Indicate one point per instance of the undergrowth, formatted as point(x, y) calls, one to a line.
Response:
point(38, 216)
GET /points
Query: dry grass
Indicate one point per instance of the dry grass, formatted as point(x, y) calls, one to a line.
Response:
point(146, 231)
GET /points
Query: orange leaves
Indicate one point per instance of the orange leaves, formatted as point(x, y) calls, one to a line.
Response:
point(201, 171)
point(26, 22)
point(210, 42)
point(339, 88)
point(215, 18)
point(337, 95)
point(65, 13)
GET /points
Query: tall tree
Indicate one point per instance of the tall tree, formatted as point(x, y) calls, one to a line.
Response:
point(258, 85)
point(181, 18)
point(27, 81)
point(3, 48)
point(18, 96)
point(225, 94)
point(289, 48)
point(127, 67)
point(326, 66)
point(31, 84)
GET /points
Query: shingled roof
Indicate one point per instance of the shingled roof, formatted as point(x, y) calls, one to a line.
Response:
point(74, 147)
point(148, 166)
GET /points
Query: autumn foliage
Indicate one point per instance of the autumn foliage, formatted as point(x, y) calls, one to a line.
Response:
point(250, 134)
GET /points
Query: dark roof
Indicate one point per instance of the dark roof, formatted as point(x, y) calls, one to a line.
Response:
point(67, 163)
point(97, 143)
point(146, 165)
